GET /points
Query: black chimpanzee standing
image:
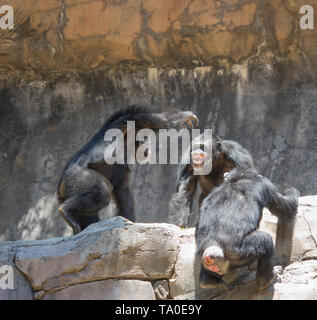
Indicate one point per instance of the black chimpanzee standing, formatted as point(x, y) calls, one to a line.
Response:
point(88, 182)
point(227, 232)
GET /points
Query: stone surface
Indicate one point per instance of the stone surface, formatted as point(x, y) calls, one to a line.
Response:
point(183, 280)
point(297, 282)
point(161, 290)
point(117, 259)
point(105, 290)
point(110, 249)
point(21, 287)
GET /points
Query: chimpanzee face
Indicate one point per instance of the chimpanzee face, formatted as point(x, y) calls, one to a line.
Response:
point(198, 156)
point(202, 157)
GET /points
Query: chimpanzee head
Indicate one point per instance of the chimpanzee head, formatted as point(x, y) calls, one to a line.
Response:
point(204, 153)
point(224, 154)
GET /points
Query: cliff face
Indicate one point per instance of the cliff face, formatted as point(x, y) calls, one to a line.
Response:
point(244, 67)
point(57, 34)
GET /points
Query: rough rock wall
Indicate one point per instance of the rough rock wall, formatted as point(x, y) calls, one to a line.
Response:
point(115, 259)
point(58, 34)
point(244, 67)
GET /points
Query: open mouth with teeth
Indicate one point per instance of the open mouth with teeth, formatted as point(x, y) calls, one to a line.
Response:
point(198, 159)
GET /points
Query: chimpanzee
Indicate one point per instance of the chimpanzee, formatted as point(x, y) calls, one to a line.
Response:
point(227, 233)
point(226, 155)
point(88, 182)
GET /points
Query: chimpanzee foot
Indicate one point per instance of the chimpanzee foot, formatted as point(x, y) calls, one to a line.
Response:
point(70, 221)
point(263, 284)
point(206, 281)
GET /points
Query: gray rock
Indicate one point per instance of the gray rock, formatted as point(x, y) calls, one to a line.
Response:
point(110, 249)
point(21, 289)
point(105, 290)
point(161, 290)
point(297, 282)
point(183, 280)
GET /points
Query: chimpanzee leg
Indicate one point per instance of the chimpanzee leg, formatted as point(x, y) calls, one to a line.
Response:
point(85, 221)
point(259, 245)
point(81, 209)
point(124, 198)
point(66, 210)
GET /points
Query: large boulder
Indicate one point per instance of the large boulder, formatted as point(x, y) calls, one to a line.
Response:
point(114, 248)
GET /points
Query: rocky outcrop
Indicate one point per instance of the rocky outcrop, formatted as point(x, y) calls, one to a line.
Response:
point(116, 259)
point(57, 35)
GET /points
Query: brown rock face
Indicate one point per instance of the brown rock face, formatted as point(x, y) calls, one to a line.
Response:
point(63, 34)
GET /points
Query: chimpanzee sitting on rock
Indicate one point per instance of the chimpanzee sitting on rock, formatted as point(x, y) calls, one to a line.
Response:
point(88, 182)
point(227, 233)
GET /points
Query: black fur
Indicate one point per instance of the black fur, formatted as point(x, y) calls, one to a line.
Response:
point(230, 216)
point(87, 183)
point(226, 154)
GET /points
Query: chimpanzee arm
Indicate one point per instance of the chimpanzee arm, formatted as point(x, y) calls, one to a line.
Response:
point(282, 206)
point(165, 120)
point(180, 205)
point(285, 208)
